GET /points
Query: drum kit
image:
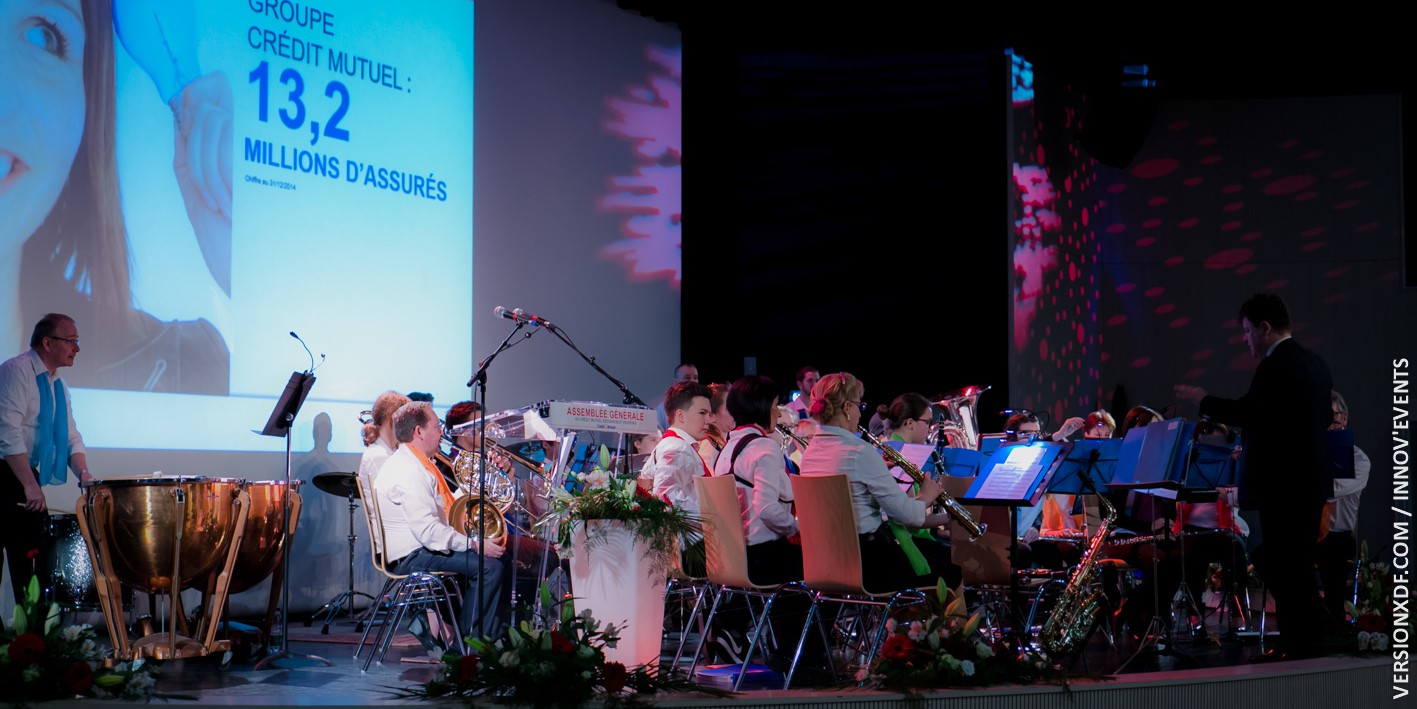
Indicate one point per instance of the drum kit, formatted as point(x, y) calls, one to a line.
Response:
point(162, 534)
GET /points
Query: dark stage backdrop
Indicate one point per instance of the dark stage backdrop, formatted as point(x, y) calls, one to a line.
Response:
point(1127, 280)
point(1298, 196)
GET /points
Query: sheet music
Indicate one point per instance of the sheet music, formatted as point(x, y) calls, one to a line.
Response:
point(1011, 478)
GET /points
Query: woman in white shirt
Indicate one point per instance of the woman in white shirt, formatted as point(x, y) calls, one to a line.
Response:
point(877, 500)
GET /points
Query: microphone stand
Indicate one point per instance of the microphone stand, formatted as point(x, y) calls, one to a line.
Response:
point(480, 380)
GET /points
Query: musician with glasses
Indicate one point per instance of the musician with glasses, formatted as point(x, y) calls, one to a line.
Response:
point(887, 563)
point(379, 441)
point(908, 419)
point(413, 504)
point(38, 439)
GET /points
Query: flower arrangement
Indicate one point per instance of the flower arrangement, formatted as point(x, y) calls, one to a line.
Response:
point(1372, 615)
point(601, 495)
point(946, 649)
point(564, 666)
point(39, 660)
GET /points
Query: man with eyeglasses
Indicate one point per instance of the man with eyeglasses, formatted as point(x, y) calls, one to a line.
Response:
point(38, 439)
point(413, 501)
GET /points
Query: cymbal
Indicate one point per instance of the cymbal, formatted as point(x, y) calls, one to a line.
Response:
point(337, 483)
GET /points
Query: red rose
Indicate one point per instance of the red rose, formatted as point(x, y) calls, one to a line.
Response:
point(641, 491)
point(26, 650)
point(32, 554)
point(468, 666)
point(1371, 622)
point(612, 677)
point(79, 678)
point(561, 645)
point(898, 647)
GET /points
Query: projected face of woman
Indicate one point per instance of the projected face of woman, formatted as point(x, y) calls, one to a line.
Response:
point(41, 110)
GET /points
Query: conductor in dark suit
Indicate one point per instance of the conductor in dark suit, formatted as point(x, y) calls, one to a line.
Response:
point(1283, 417)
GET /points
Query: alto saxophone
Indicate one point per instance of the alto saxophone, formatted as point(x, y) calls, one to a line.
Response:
point(1072, 618)
point(955, 510)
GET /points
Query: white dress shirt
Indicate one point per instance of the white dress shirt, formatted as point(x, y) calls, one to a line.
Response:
point(674, 464)
point(1347, 492)
point(766, 506)
point(874, 492)
point(412, 510)
point(19, 406)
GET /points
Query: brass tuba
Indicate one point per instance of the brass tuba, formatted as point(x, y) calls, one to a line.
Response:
point(960, 429)
point(1076, 611)
point(955, 510)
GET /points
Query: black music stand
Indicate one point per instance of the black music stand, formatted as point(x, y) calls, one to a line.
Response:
point(1013, 477)
point(279, 424)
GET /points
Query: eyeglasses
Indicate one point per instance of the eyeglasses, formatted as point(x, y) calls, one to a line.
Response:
point(74, 341)
point(861, 404)
point(912, 418)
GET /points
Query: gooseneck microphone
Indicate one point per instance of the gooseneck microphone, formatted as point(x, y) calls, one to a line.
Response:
point(307, 351)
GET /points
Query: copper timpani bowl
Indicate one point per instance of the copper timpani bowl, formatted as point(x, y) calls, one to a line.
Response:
point(259, 552)
point(140, 522)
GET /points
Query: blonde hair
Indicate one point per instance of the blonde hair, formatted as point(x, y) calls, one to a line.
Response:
point(831, 393)
point(382, 413)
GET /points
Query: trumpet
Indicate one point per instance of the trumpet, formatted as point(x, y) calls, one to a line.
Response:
point(955, 510)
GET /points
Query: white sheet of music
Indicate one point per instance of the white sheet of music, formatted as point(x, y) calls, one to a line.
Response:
point(1011, 478)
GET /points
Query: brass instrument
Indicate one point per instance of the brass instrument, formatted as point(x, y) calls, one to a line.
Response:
point(1076, 611)
point(960, 429)
point(955, 510)
point(791, 435)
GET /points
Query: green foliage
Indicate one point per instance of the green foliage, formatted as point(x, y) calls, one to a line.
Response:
point(598, 495)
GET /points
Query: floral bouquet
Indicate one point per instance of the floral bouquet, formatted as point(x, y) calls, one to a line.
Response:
point(546, 667)
point(1372, 615)
point(40, 660)
point(601, 495)
point(946, 649)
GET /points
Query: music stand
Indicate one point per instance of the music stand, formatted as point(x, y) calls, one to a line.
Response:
point(279, 424)
point(1013, 477)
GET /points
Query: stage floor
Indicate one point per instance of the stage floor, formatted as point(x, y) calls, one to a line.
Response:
point(1200, 671)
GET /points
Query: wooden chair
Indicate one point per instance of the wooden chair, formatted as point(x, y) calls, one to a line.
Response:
point(417, 591)
point(727, 562)
point(831, 562)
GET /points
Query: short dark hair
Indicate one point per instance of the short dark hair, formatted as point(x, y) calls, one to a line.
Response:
point(1266, 307)
point(46, 327)
point(907, 406)
point(751, 400)
point(682, 365)
point(802, 374)
point(681, 394)
point(420, 396)
point(1019, 418)
point(462, 412)
point(411, 416)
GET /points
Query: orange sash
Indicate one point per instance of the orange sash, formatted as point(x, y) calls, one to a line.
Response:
point(443, 490)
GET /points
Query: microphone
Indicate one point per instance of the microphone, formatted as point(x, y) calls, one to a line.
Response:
point(307, 351)
point(521, 316)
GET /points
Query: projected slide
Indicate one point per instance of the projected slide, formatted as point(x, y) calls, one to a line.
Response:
point(192, 181)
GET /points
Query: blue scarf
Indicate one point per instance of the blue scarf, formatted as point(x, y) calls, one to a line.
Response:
point(51, 434)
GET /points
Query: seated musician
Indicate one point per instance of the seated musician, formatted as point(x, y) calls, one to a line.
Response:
point(1063, 515)
point(413, 503)
point(1337, 547)
point(379, 442)
point(908, 420)
point(755, 461)
point(675, 461)
point(466, 442)
point(719, 426)
point(886, 565)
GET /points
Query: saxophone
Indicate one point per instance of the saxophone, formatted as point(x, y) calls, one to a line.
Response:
point(955, 510)
point(1077, 609)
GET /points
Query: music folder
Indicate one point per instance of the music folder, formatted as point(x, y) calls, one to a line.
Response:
point(286, 408)
point(1148, 458)
point(1014, 475)
point(1096, 457)
point(1340, 450)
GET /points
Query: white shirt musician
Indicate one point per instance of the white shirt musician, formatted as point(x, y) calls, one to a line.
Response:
point(675, 461)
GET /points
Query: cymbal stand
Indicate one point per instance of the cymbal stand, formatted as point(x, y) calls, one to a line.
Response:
point(331, 610)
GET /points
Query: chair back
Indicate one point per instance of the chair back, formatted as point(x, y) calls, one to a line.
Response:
point(986, 560)
point(724, 544)
point(376, 527)
point(831, 549)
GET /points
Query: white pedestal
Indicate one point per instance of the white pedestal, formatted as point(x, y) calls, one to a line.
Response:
point(613, 579)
